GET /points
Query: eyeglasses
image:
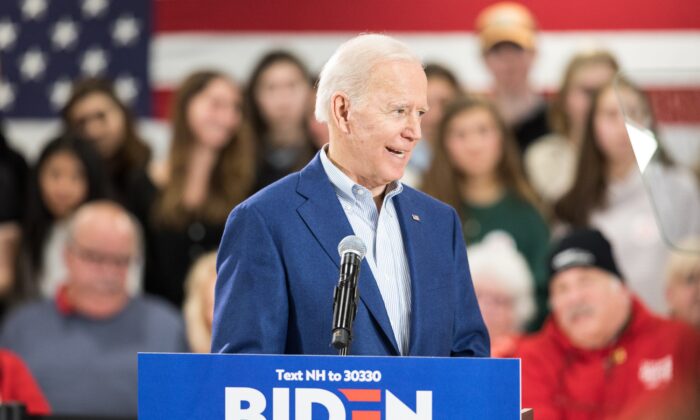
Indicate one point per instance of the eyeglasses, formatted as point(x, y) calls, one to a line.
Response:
point(101, 258)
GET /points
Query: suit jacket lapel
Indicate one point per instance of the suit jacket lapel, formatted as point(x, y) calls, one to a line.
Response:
point(324, 216)
point(412, 222)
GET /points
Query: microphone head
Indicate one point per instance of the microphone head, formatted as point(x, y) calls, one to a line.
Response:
point(352, 244)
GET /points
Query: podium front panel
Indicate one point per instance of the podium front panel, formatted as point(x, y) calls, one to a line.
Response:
point(256, 387)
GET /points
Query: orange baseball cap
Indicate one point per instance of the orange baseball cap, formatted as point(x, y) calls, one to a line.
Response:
point(506, 22)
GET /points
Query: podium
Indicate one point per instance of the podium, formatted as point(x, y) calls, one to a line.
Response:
point(270, 387)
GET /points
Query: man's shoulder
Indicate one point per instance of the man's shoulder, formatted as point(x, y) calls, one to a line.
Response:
point(275, 196)
point(426, 202)
point(26, 313)
point(157, 309)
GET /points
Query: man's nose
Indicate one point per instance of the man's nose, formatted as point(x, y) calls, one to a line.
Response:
point(413, 130)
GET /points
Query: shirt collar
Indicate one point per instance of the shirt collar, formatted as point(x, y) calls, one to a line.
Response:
point(346, 187)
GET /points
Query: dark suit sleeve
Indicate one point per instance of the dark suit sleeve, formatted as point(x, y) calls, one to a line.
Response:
point(470, 335)
point(251, 307)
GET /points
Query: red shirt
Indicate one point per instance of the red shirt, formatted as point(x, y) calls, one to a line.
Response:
point(653, 366)
point(18, 385)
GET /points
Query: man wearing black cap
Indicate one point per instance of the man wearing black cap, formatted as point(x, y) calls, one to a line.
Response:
point(602, 354)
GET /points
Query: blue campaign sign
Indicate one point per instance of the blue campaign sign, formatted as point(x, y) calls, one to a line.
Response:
point(266, 387)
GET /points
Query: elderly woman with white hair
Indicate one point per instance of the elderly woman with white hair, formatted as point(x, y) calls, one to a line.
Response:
point(683, 282)
point(504, 289)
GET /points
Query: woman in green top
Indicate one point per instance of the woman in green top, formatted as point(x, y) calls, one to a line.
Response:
point(477, 170)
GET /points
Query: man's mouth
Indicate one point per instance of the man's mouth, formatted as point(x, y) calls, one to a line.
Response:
point(397, 153)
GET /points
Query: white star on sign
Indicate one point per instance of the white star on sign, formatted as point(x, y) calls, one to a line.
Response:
point(7, 95)
point(64, 34)
point(33, 9)
point(126, 88)
point(32, 64)
point(94, 61)
point(94, 8)
point(125, 31)
point(60, 91)
point(8, 34)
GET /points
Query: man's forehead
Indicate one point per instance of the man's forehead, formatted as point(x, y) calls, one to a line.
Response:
point(398, 81)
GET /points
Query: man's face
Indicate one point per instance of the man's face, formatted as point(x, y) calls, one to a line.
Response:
point(586, 303)
point(509, 65)
point(384, 126)
point(98, 260)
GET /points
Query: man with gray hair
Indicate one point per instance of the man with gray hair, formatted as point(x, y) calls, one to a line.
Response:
point(82, 346)
point(278, 264)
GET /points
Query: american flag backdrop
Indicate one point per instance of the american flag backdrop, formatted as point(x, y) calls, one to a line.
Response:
point(148, 47)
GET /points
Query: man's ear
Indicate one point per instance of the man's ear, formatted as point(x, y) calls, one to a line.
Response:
point(340, 110)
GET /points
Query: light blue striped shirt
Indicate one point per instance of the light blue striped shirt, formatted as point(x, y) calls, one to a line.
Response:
point(381, 233)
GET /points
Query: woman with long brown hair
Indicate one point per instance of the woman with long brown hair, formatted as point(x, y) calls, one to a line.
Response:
point(278, 96)
point(609, 192)
point(183, 202)
point(95, 113)
point(550, 162)
point(476, 169)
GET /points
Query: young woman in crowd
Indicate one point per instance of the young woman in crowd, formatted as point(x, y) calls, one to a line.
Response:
point(476, 169)
point(198, 308)
point(443, 88)
point(550, 162)
point(278, 97)
point(67, 174)
point(609, 192)
point(184, 201)
point(683, 282)
point(95, 113)
point(504, 288)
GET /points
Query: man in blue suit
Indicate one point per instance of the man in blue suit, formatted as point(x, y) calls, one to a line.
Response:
point(278, 261)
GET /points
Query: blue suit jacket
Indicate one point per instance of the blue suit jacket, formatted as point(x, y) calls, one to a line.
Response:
point(278, 265)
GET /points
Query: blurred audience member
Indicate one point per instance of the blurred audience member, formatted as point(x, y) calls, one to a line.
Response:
point(95, 113)
point(477, 171)
point(318, 130)
point(199, 302)
point(443, 88)
point(602, 354)
point(278, 97)
point(17, 385)
point(82, 345)
point(609, 192)
point(67, 174)
point(551, 161)
point(183, 202)
point(504, 288)
point(507, 32)
point(13, 184)
point(683, 282)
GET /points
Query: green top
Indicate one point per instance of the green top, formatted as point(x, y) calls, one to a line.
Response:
point(525, 224)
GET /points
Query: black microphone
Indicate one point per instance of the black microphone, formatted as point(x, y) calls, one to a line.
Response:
point(351, 250)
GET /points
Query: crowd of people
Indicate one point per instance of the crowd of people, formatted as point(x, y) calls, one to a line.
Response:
point(105, 253)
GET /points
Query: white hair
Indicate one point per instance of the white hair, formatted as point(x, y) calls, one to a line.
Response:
point(496, 259)
point(350, 67)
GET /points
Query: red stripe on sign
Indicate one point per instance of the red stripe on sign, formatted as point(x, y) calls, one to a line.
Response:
point(362, 395)
point(678, 105)
point(414, 15)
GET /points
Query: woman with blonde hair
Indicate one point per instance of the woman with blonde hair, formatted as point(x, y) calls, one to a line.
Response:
point(183, 202)
point(198, 308)
point(683, 282)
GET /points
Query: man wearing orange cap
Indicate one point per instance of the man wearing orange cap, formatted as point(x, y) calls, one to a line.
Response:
point(507, 32)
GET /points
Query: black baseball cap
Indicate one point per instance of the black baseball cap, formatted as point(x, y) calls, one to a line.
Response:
point(583, 248)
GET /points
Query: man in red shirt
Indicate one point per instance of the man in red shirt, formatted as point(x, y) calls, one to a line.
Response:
point(602, 354)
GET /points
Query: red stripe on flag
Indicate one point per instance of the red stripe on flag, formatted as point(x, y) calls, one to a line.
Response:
point(678, 105)
point(415, 15)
